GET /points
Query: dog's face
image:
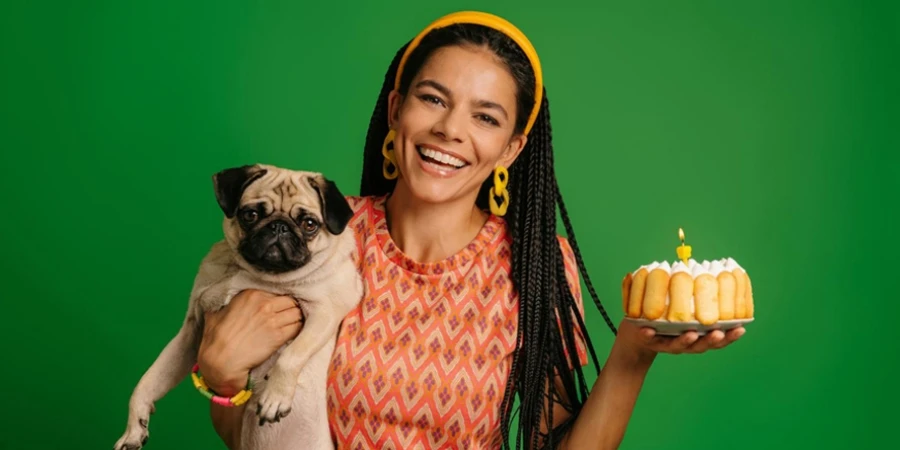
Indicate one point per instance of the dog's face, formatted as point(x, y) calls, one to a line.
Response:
point(277, 219)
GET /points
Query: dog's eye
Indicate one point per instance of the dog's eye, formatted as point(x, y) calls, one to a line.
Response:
point(249, 216)
point(310, 225)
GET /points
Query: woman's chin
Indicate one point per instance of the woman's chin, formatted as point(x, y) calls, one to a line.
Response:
point(434, 191)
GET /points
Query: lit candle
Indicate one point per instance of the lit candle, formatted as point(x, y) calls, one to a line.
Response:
point(684, 252)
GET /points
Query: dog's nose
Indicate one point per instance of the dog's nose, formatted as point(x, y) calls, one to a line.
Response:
point(279, 227)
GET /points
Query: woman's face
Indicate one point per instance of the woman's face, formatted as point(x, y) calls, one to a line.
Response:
point(455, 124)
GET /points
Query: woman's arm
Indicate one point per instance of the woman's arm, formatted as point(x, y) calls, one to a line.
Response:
point(227, 423)
point(602, 422)
point(607, 411)
point(236, 339)
point(604, 417)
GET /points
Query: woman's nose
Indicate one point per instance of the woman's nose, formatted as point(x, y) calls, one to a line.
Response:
point(451, 126)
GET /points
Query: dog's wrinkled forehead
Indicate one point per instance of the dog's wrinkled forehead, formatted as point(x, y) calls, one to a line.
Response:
point(284, 191)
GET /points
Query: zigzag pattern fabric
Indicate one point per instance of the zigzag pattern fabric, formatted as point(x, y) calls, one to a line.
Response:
point(422, 363)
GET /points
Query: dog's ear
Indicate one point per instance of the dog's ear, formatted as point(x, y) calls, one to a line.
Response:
point(336, 211)
point(230, 184)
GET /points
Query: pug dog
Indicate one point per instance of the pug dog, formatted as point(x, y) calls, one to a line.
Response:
point(285, 233)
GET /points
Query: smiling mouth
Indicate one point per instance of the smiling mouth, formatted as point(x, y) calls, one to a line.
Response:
point(442, 160)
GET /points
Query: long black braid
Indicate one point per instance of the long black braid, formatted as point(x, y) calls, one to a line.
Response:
point(538, 270)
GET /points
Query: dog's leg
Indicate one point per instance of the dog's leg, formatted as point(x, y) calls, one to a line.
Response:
point(307, 424)
point(171, 366)
point(321, 325)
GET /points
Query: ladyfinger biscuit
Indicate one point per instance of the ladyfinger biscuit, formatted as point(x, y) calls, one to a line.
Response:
point(748, 297)
point(636, 296)
point(681, 289)
point(626, 291)
point(706, 302)
point(726, 295)
point(740, 294)
point(655, 294)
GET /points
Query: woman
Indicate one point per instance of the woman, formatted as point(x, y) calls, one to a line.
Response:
point(472, 297)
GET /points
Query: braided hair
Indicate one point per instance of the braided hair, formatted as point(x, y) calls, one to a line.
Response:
point(538, 271)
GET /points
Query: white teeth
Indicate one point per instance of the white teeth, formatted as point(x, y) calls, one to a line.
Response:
point(442, 157)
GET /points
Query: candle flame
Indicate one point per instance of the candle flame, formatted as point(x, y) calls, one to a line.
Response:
point(681, 235)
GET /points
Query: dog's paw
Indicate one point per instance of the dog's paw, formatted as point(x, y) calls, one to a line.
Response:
point(135, 436)
point(276, 398)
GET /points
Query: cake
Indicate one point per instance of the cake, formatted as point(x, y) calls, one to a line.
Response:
point(700, 292)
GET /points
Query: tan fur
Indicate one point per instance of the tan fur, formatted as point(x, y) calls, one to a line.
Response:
point(327, 288)
point(279, 191)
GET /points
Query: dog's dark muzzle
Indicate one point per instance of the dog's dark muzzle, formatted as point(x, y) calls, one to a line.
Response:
point(275, 247)
point(279, 227)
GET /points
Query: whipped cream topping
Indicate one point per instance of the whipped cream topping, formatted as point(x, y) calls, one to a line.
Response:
point(693, 267)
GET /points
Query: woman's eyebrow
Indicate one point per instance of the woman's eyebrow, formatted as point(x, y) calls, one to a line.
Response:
point(440, 87)
point(446, 91)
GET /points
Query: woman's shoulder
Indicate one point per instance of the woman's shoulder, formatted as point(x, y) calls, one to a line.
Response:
point(570, 262)
point(567, 252)
point(366, 211)
point(363, 221)
point(362, 203)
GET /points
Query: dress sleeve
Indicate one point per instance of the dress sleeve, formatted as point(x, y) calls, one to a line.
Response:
point(574, 282)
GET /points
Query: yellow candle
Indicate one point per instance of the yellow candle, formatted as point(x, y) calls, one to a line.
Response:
point(684, 252)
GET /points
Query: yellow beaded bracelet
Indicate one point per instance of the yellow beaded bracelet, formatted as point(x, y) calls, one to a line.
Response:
point(238, 399)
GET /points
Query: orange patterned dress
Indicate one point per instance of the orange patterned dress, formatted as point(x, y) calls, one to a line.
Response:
point(422, 363)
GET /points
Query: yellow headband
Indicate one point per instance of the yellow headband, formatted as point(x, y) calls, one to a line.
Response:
point(499, 24)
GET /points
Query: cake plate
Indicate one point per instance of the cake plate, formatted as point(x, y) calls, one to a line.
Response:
point(666, 328)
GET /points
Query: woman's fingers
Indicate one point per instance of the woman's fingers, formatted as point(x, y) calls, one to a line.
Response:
point(732, 335)
point(284, 303)
point(647, 335)
point(709, 340)
point(288, 317)
point(672, 344)
point(654, 342)
point(684, 342)
point(290, 331)
point(717, 339)
point(689, 341)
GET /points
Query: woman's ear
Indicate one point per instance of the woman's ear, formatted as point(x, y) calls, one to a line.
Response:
point(513, 149)
point(394, 102)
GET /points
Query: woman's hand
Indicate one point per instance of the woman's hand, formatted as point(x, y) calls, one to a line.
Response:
point(243, 335)
point(646, 344)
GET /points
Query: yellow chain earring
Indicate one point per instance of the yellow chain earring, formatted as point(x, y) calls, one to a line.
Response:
point(501, 178)
point(389, 167)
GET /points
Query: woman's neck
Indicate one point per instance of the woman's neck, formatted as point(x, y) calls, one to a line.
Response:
point(428, 232)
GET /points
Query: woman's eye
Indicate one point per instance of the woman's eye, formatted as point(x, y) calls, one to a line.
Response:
point(488, 119)
point(430, 99)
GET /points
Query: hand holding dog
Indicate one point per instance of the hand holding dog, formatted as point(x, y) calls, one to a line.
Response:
point(244, 334)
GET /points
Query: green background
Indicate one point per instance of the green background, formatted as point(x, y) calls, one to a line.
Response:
point(767, 129)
